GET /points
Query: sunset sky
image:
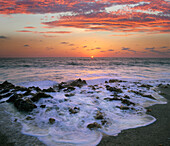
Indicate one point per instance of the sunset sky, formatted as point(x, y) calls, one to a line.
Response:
point(83, 28)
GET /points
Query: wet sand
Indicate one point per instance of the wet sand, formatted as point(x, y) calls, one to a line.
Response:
point(156, 134)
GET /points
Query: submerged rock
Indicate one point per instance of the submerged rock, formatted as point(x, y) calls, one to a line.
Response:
point(51, 120)
point(75, 83)
point(24, 105)
point(127, 97)
point(42, 106)
point(69, 89)
point(94, 125)
point(146, 86)
point(74, 110)
point(127, 102)
point(114, 89)
point(49, 90)
point(111, 99)
point(69, 95)
point(99, 115)
point(144, 95)
point(40, 95)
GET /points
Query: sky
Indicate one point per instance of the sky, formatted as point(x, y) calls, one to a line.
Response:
point(84, 28)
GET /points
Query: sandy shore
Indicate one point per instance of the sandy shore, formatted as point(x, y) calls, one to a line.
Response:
point(155, 134)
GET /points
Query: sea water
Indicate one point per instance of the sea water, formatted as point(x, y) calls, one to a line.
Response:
point(71, 129)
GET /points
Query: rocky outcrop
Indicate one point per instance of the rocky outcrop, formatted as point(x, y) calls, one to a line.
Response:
point(40, 95)
point(24, 105)
point(94, 125)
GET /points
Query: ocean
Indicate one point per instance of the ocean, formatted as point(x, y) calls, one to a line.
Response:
point(19, 70)
point(115, 98)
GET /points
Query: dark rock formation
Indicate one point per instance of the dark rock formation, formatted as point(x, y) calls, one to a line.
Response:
point(6, 84)
point(24, 105)
point(94, 125)
point(49, 90)
point(69, 95)
point(114, 89)
point(69, 89)
point(40, 95)
point(111, 99)
point(74, 110)
point(127, 102)
point(15, 97)
point(144, 95)
point(51, 120)
point(75, 83)
point(99, 115)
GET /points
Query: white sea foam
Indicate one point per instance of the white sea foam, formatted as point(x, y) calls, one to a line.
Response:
point(71, 129)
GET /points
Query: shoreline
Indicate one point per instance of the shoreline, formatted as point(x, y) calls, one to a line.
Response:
point(154, 134)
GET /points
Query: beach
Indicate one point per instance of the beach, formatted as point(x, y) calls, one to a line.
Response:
point(156, 133)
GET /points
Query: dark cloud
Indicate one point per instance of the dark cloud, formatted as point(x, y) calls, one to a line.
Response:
point(128, 49)
point(64, 43)
point(3, 37)
point(125, 48)
point(110, 50)
point(164, 47)
point(102, 51)
point(26, 45)
point(84, 46)
point(150, 48)
point(98, 48)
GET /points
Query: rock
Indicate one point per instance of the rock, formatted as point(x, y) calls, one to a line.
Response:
point(6, 95)
point(99, 115)
point(19, 88)
point(42, 106)
point(146, 86)
point(111, 99)
point(78, 83)
point(74, 110)
point(111, 89)
point(75, 83)
point(69, 95)
point(39, 95)
point(92, 87)
point(127, 97)
point(51, 120)
point(29, 118)
point(6, 84)
point(148, 110)
point(144, 95)
point(14, 98)
point(104, 122)
point(24, 105)
point(4, 91)
point(97, 97)
point(127, 102)
point(49, 90)
point(94, 125)
point(123, 107)
point(28, 92)
point(115, 80)
point(69, 89)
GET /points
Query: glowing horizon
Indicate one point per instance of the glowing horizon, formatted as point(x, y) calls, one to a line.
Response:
point(85, 28)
